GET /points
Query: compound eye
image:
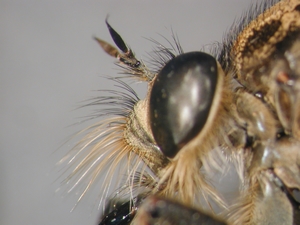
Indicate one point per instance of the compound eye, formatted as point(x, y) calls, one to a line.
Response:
point(181, 99)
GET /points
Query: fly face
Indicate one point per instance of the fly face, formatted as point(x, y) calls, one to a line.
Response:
point(239, 104)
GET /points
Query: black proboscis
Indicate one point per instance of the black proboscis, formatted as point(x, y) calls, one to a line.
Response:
point(122, 213)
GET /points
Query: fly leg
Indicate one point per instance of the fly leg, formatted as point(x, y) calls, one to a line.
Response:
point(156, 210)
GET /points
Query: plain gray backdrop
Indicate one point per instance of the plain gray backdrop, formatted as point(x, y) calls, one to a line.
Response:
point(49, 63)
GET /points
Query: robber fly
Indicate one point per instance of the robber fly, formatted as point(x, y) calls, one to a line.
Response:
point(239, 104)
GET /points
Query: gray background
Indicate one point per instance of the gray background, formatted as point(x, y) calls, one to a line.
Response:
point(49, 63)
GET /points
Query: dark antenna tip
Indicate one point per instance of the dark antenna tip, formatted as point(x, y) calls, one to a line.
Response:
point(116, 37)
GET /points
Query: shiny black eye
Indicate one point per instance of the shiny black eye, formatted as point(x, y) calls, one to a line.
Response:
point(181, 99)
